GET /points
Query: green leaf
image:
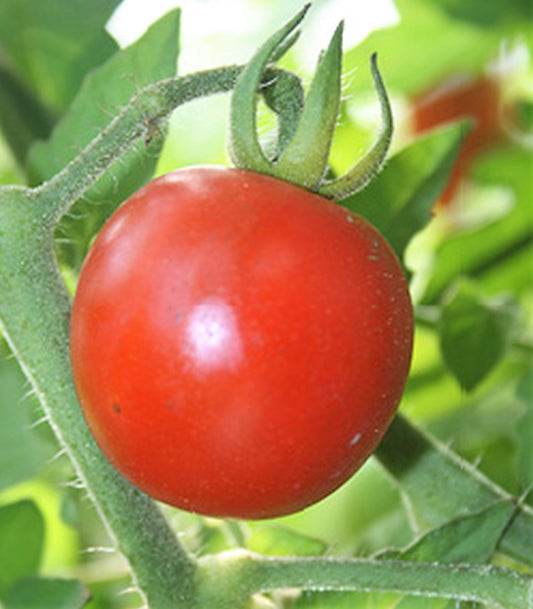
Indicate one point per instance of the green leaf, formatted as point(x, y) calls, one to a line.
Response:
point(52, 45)
point(424, 49)
point(104, 92)
point(466, 539)
point(23, 118)
point(438, 485)
point(475, 333)
point(399, 201)
point(484, 13)
point(485, 250)
point(523, 432)
point(22, 536)
point(278, 540)
point(524, 115)
point(37, 593)
point(22, 450)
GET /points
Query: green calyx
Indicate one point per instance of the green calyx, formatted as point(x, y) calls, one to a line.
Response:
point(306, 127)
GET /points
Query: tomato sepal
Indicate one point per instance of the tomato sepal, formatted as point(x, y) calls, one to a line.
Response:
point(244, 147)
point(306, 128)
point(304, 161)
point(372, 162)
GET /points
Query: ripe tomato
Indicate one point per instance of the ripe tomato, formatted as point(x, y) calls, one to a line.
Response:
point(478, 99)
point(239, 345)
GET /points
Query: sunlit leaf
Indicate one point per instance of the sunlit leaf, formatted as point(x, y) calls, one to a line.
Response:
point(52, 45)
point(423, 49)
point(283, 541)
point(484, 251)
point(22, 538)
point(36, 593)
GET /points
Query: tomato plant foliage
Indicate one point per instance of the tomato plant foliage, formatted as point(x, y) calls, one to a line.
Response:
point(239, 344)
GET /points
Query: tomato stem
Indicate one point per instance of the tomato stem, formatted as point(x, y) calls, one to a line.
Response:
point(284, 95)
point(306, 129)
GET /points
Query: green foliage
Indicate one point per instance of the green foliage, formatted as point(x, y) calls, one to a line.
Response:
point(495, 242)
point(277, 540)
point(426, 47)
point(408, 187)
point(458, 461)
point(52, 47)
point(22, 535)
point(475, 333)
point(23, 450)
point(37, 593)
point(524, 432)
point(47, 49)
point(466, 539)
point(478, 11)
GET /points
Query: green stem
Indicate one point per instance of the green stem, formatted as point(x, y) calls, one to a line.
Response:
point(138, 121)
point(239, 573)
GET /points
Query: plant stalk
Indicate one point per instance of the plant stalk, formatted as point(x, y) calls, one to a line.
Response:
point(499, 587)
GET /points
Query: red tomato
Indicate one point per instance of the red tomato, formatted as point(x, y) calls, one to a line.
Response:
point(239, 345)
point(458, 98)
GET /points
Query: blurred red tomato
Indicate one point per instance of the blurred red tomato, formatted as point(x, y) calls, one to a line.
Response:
point(457, 98)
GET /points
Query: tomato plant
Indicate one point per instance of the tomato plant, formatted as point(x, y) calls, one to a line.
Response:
point(241, 336)
point(477, 98)
point(239, 344)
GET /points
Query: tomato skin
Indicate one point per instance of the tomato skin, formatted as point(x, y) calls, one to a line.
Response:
point(478, 99)
point(239, 345)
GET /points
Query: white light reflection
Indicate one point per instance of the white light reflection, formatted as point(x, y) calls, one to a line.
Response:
point(212, 336)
